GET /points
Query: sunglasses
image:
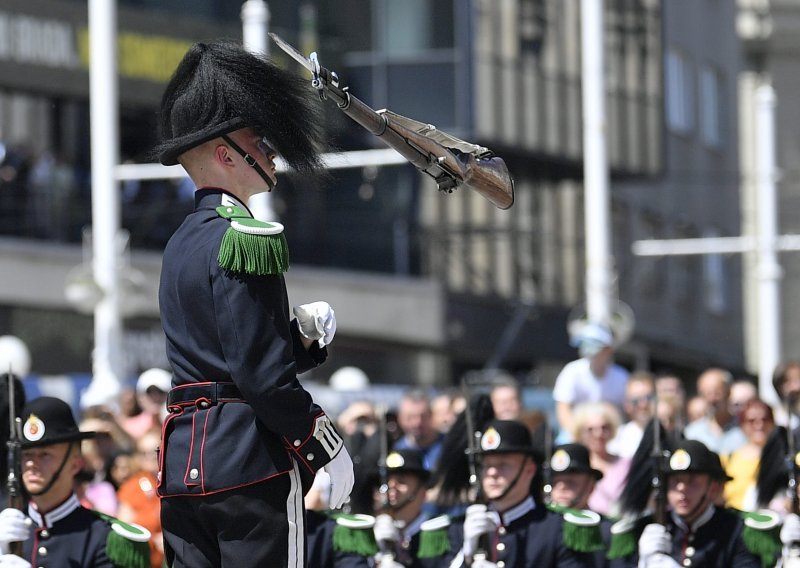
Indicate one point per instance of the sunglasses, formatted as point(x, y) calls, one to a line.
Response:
point(637, 400)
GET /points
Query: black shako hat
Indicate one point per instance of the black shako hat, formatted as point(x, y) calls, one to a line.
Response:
point(573, 458)
point(507, 437)
point(406, 461)
point(219, 87)
point(47, 420)
point(691, 456)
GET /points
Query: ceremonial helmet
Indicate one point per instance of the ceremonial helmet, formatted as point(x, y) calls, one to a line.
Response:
point(573, 458)
point(692, 456)
point(47, 420)
point(507, 437)
point(219, 87)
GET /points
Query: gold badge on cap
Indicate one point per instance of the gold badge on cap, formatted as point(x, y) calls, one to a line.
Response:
point(490, 439)
point(33, 430)
point(395, 460)
point(797, 459)
point(680, 461)
point(560, 460)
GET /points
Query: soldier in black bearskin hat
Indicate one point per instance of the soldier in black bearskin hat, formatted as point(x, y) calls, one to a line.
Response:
point(55, 529)
point(243, 438)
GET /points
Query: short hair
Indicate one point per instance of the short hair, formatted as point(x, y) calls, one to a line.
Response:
point(779, 376)
point(586, 409)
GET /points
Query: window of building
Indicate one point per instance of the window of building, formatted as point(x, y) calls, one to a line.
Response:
point(715, 278)
point(679, 92)
point(711, 106)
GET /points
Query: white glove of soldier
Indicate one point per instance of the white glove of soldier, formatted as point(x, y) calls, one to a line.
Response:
point(14, 527)
point(654, 540)
point(482, 563)
point(790, 532)
point(13, 561)
point(385, 530)
point(316, 321)
point(340, 470)
point(387, 561)
point(659, 561)
point(477, 522)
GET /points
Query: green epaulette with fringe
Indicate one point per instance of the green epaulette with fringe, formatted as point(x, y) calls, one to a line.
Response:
point(434, 540)
point(624, 539)
point(353, 534)
point(127, 544)
point(761, 535)
point(251, 246)
point(581, 529)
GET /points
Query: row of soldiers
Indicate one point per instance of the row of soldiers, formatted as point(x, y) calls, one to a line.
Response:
point(531, 511)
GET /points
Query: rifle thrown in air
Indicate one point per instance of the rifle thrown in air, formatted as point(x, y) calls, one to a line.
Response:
point(451, 162)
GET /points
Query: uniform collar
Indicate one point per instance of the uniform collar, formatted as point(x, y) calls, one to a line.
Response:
point(62, 511)
point(413, 527)
point(214, 197)
point(518, 511)
point(701, 520)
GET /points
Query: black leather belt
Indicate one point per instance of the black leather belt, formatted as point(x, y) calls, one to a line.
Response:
point(212, 392)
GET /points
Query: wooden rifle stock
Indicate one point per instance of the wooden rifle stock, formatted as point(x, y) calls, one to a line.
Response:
point(449, 161)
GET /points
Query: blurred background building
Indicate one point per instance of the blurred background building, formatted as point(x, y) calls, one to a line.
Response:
point(426, 286)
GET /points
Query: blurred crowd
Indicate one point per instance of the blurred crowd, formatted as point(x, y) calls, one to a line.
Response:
point(600, 408)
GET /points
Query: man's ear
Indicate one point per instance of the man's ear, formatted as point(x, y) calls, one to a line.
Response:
point(222, 155)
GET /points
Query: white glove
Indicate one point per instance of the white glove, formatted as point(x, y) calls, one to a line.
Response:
point(13, 561)
point(659, 561)
point(340, 470)
point(654, 540)
point(385, 530)
point(14, 527)
point(316, 321)
point(477, 522)
point(790, 532)
point(387, 561)
point(482, 563)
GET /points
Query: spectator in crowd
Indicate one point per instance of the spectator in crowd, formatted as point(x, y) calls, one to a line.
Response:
point(718, 429)
point(120, 467)
point(742, 392)
point(443, 411)
point(151, 393)
point(138, 501)
point(696, 409)
point(786, 381)
point(592, 378)
point(506, 398)
point(670, 413)
point(414, 419)
point(594, 425)
point(757, 422)
point(639, 405)
point(670, 387)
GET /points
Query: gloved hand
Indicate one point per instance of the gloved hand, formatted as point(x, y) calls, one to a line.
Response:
point(659, 561)
point(477, 522)
point(14, 527)
point(13, 561)
point(340, 470)
point(385, 530)
point(387, 561)
point(790, 531)
point(316, 321)
point(654, 540)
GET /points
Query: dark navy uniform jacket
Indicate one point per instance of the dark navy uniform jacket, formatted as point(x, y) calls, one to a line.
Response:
point(530, 535)
point(70, 536)
point(225, 327)
point(715, 541)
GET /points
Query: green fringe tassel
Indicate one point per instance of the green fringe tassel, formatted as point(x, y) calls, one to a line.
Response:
point(123, 552)
point(433, 543)
point(357, 541)
point(622, 545)
point(254, 254)
point(763, 543)
point(582, 538)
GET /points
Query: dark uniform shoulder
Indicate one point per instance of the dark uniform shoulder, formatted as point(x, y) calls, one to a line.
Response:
point(127, 543)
